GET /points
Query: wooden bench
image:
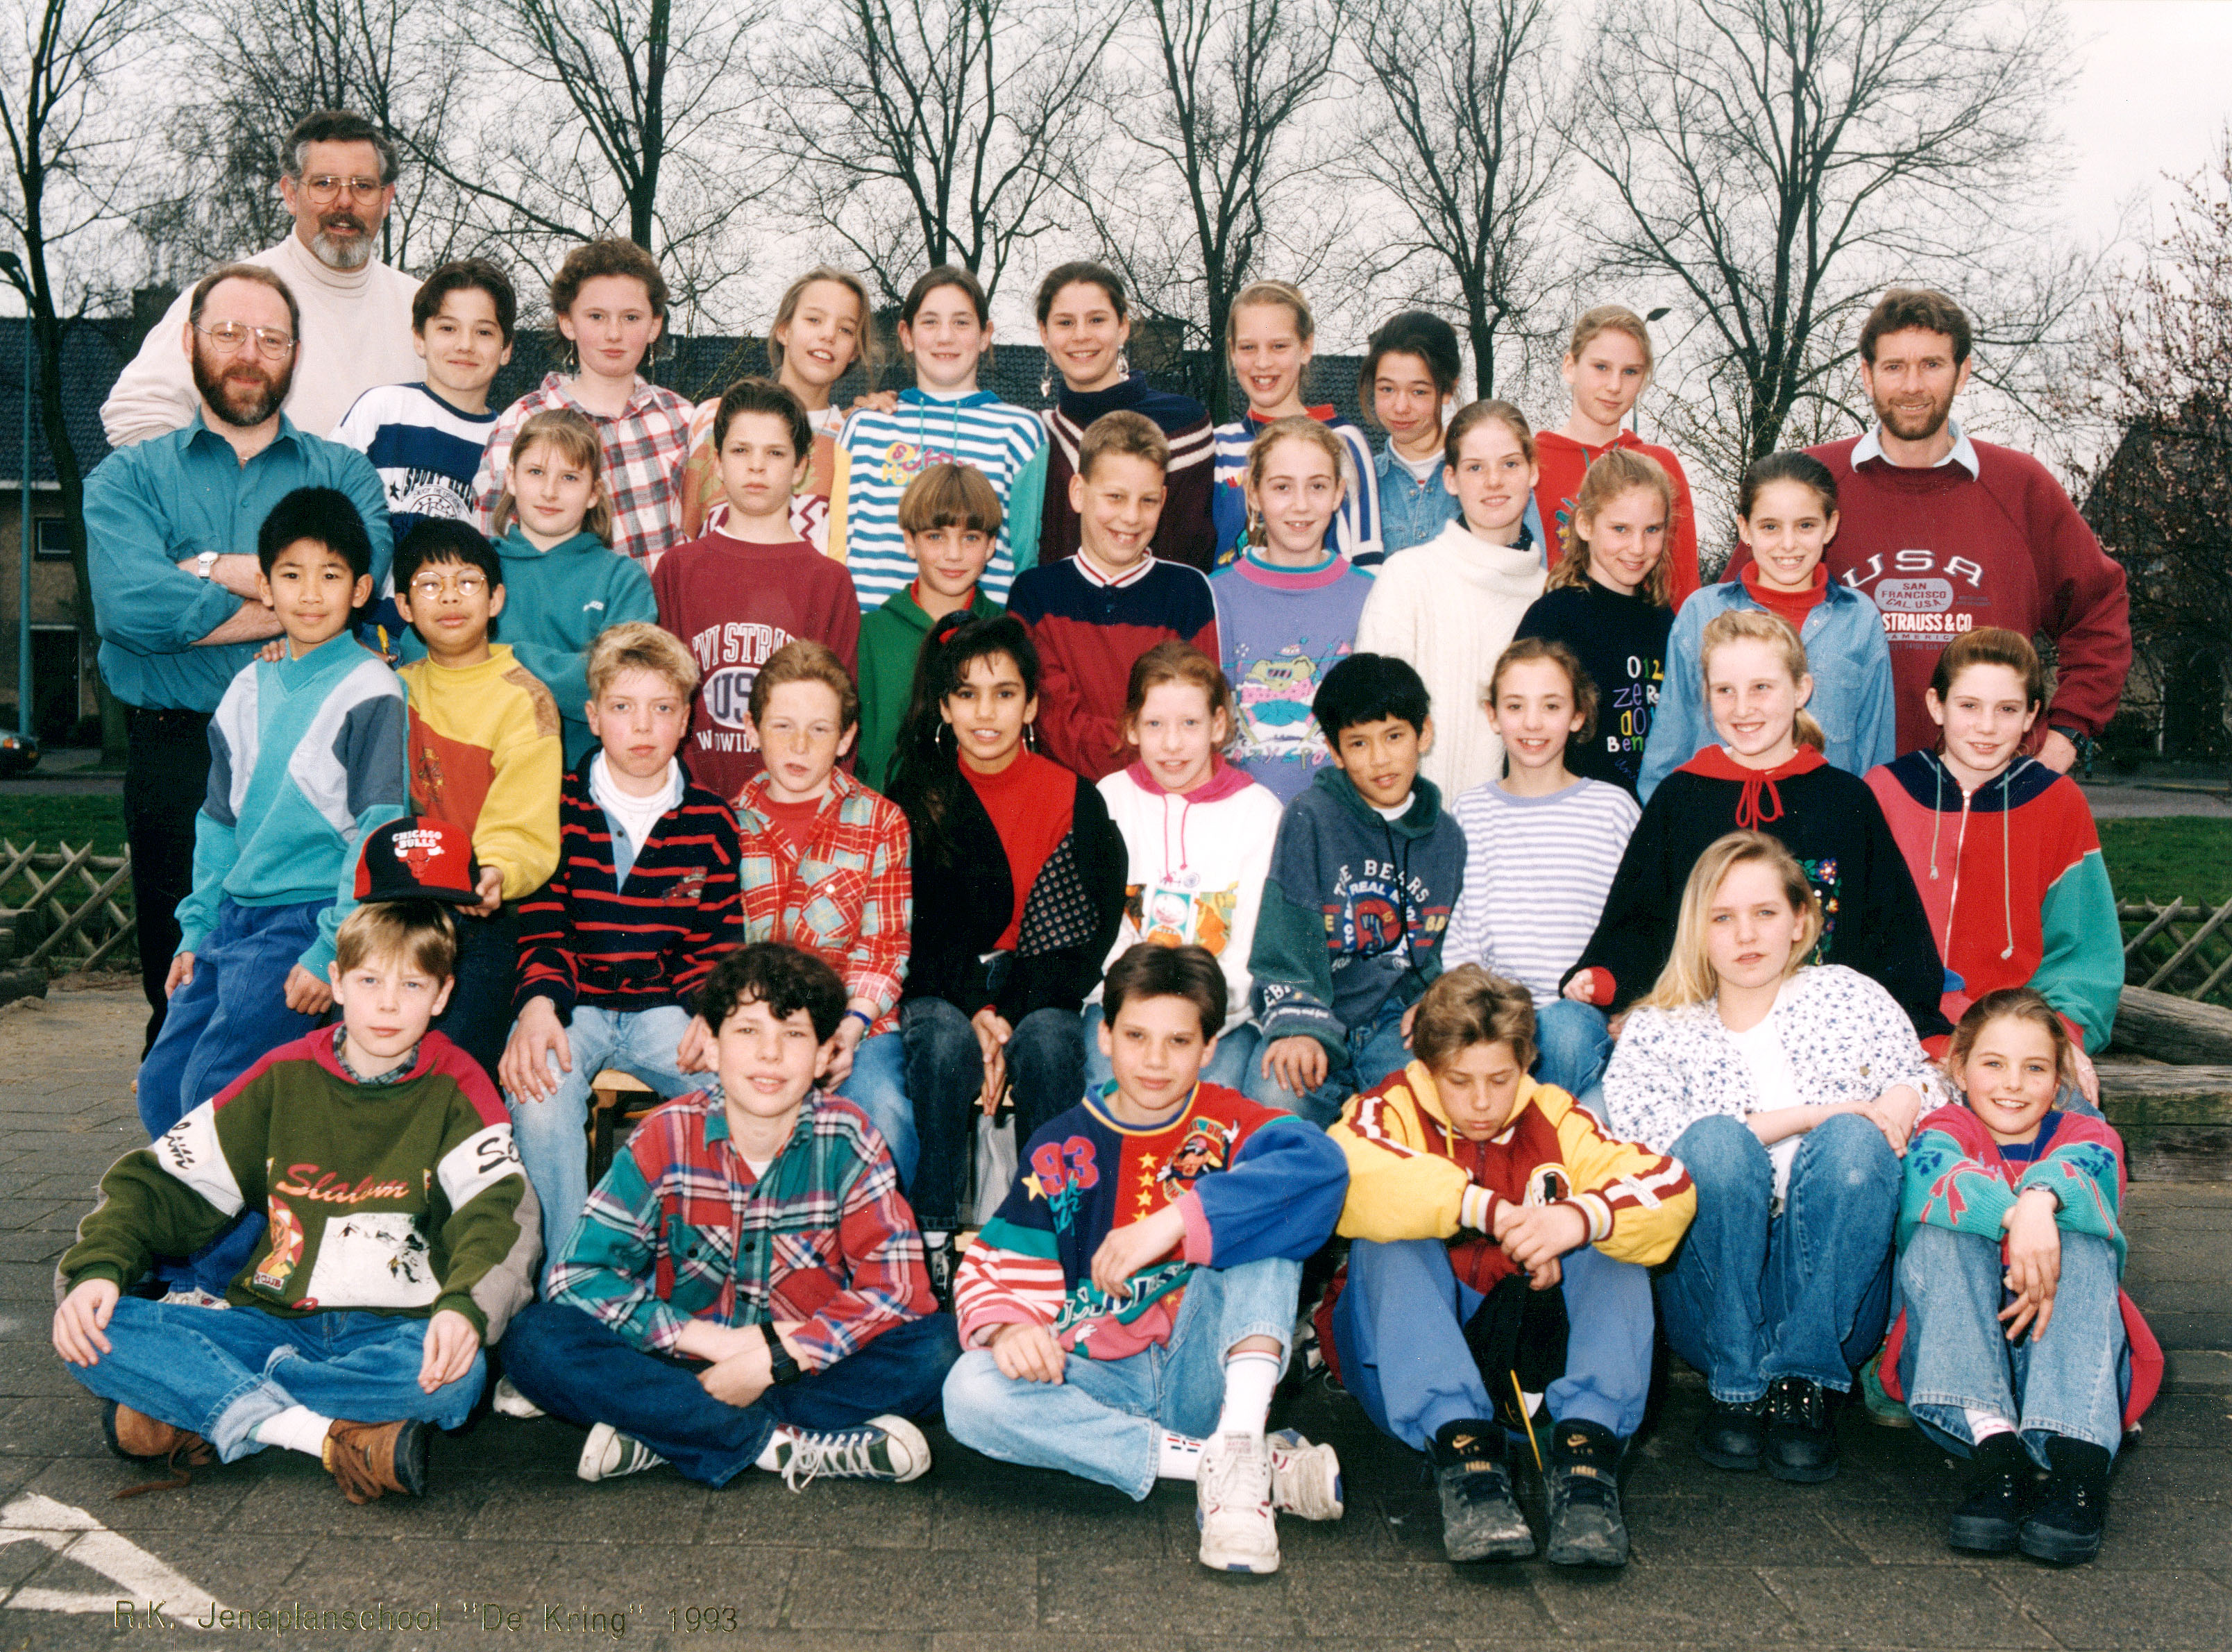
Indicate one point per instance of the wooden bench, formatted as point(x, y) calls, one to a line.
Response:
point(618, 1102)
point(2176, 1121)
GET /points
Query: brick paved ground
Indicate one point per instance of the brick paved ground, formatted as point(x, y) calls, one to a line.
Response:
point(978, 1556)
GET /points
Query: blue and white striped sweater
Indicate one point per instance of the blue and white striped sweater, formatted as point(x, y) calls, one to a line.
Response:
point(878, 453)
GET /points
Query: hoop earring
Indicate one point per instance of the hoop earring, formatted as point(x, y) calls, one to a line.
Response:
point(945, 741)
point(1031, 737)
point(1046, 377)
point(1124, 364)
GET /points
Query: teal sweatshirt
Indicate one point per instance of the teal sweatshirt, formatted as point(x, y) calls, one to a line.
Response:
point(306, 755)
point(554, 603)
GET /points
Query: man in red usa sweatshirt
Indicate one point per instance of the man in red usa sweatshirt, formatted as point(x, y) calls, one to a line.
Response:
point(1947, 534)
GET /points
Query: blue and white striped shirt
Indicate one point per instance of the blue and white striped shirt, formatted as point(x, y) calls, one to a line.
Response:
point(1536, 873)
point(878, 453)
point(1354, 531)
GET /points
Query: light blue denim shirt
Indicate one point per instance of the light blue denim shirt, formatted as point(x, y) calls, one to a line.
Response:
point(1844, 651)
point(1411, 511)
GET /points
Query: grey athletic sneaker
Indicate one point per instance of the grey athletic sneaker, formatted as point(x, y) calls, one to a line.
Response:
point(1480, 1521)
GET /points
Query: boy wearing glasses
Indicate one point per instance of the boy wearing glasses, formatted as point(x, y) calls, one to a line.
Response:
point(485, 755)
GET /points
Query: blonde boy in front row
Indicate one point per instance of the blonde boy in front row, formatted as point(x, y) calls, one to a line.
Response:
point(1504, 1246)
point(402, 1237)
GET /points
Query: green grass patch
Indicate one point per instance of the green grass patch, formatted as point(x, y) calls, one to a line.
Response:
point(52, 822)
point(2180, 855)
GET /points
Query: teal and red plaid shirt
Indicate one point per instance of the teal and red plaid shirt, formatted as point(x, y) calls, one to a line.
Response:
point(848, 899)
point(680, 1229)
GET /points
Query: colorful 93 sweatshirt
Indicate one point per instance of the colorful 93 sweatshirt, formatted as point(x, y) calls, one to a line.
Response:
point(1253, 1183)
point(405, 1198)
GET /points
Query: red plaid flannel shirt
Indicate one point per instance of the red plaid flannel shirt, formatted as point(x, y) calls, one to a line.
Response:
point(644, 450)
point(849, 897)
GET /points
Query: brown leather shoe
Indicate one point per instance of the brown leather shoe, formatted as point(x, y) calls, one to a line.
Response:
point(372, 1458)
point(140, 1438)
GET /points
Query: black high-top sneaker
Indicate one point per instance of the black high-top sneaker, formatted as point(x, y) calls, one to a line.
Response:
point(2002, 1485)
point(1802, 1439)
point(1480, 1521)
point(2073, 1507)
point(1587, 1528)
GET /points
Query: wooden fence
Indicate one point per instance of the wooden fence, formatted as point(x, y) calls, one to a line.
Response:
point(2183, 948)
point(65, 908)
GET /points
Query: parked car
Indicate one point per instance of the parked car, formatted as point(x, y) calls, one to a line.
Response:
point(19, 752)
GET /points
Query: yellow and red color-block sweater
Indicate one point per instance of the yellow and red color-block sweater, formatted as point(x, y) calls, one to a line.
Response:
point(1411, 1176)
point(486, 755)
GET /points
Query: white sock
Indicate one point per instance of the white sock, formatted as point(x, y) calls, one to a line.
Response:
point(931, 1241)
point(1982, 1425)
point(1178, 1458)
point(1249, 1380)
point(767, 1459)
point(296, 1428)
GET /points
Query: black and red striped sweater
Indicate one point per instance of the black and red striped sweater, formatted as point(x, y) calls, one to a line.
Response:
point(591, 937)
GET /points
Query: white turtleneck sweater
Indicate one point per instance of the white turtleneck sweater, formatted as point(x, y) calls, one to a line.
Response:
point(356, 334)
point(1449, 607)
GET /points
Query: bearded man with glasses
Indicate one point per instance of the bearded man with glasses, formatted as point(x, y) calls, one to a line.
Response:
point(171, 537)
point(338, 181)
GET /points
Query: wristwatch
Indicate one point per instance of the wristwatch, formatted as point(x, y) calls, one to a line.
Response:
point(2085, 744)
point(781, 1368)
point(205, 564)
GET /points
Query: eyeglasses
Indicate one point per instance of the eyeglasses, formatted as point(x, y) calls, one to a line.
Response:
point(231, 336)
point(426, 586)
point(326, 186)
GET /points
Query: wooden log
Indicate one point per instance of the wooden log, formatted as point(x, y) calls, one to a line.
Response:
point(2176, 1121)
point(2172, 1029)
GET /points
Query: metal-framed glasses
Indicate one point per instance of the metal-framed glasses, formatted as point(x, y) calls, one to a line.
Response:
point(231, 336)
point(427, 587)
point(326, 186)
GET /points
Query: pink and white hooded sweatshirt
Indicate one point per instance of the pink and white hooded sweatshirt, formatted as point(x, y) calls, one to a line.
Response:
point(1198, 860)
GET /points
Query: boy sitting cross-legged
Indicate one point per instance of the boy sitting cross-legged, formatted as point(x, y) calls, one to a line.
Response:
point(1502, 1247)
point(643, 903)
point(1127, 1314)
point(746, 1287)
point(1093, 614)
point(485, 756)
point(402, 1234)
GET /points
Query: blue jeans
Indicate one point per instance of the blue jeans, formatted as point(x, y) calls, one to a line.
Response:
point(877, 1085)
point(1574, 1042)
point(1236, 1051)
point(1752, 1296)
point(575, 1366)
point(1956, 1358)
point(228, 1018)
point(219, 1372)
point(1106, 1418)
point(553, 1135)
point(944, 1075)
point(479, 1016)
point(1376, 1048)
point(1399, 1327)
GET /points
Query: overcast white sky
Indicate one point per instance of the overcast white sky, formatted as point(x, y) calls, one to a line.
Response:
point(2153, 95)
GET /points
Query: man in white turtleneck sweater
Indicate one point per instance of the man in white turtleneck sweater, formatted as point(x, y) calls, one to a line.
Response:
point(356, 310)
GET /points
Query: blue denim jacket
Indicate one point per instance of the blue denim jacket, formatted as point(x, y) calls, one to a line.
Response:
point(1844, 651)
point(1411, 511)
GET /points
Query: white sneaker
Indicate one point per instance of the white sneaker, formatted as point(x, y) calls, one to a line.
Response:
point(511, 1402)
point(608, 1453)
point(1232, 1501)
point(191, 1296)
point(886, 1448)
point(1305, 1478)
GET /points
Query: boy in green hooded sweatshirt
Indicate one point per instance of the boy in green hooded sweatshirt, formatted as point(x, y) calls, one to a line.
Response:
point(950, 516)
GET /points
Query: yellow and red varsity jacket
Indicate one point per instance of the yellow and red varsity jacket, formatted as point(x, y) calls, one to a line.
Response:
point(1411, 1176)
